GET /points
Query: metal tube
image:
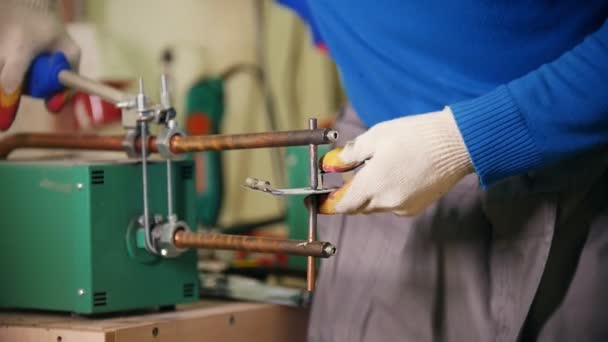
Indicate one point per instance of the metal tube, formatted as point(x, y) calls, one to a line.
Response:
point(73, 80)
point(196, 143)
point(59, 141)
point(312, 208)
point(312, 149)
point(222, 142)
point(319, 249)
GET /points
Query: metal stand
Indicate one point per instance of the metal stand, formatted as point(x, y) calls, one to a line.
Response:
point(312, 192)
point(312, 209)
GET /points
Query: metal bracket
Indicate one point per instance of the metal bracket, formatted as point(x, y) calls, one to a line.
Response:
point(163, 140)
point(162, 116)
point(264, 186)
point(128, 143)
point(315, 188)
point(164, 234)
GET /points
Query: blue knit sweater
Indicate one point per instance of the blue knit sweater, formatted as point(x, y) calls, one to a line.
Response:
point(527, 80)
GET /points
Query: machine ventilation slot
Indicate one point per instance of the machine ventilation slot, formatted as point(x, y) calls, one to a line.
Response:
point(100, 299)
point(188, 290)
point(97, 177)
point(187, 172)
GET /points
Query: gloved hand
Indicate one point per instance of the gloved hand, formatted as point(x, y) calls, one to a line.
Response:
point(409, 163)
point(28, 28)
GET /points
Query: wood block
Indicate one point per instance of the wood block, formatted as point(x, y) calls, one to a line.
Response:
point(202, 321)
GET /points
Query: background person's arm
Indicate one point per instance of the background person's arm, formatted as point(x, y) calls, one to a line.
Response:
point(27, 28)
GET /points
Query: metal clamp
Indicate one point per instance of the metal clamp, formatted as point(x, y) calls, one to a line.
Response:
point(315, 189)
point(163, 140)
point(142, 104)
point(164, 236)
point(128, 143)
point(264, 186)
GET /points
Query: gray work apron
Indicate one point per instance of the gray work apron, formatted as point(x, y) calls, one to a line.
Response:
point(470, 267)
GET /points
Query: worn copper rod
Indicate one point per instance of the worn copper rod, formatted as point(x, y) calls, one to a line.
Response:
point(251, 140)
point(59, 141)
point(319, 249)
point(178, 144)
point(311, 272)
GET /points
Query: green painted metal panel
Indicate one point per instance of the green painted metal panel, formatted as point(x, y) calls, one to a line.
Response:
point(61, 237)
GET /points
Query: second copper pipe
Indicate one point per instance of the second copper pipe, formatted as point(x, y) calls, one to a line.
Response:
point(319, 249)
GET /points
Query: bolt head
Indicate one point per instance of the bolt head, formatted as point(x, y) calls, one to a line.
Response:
point(79, 186)
point(330, 249)
point(332, 135)
point(163, 141)
point(166, 232)
point(81, 292)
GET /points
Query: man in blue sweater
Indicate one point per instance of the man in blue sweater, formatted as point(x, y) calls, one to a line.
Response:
point(514, 98)
point(459, 97)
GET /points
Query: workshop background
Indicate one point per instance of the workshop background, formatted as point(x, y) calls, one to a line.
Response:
point(274, 79)
point(122, 40)
point(87, 275)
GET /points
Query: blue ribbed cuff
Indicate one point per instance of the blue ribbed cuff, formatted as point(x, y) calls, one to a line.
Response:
point(496, 135)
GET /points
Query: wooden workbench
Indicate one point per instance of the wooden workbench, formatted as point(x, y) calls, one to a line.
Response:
point(200, 322)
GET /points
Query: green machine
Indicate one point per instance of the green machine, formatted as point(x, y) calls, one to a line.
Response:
point(109, 236)
point(71, 239)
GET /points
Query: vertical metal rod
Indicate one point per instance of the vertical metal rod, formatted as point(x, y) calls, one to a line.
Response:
point(165, 100)
point(312, 209)
point(169, 189)
point(144, 175)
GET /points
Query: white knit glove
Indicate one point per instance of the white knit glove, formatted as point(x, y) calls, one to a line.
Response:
point(409, 163)
point(27, 28)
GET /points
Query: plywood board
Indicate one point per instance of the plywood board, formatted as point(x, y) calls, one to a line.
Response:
point(203, 321)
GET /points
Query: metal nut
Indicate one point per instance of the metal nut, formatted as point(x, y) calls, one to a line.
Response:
point(255, 183)
point(163, 141)
point(332, 135)
point(154, 220)
point(330, 249)
point(158, 218)
point(165, 243)
point(128, 143)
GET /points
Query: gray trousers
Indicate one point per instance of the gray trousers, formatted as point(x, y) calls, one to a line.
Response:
point(525, 260)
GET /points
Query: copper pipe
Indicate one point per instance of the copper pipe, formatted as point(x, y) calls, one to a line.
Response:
point(222, 142)
point(311, 272)
point(59, 141)
point(319, 249)
point(196, 143)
